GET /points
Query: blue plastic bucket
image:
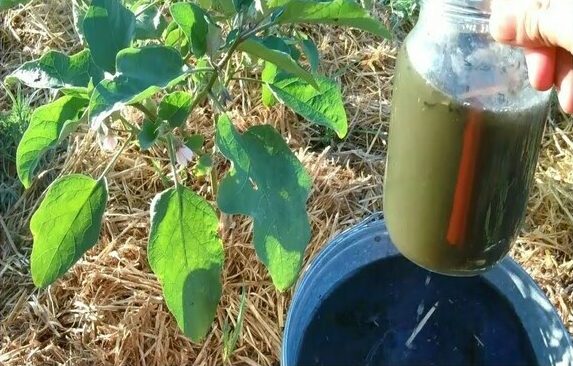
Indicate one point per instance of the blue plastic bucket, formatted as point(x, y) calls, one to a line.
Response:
point(412, 316)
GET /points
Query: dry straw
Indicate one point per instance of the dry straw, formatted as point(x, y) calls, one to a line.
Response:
point(109, 311)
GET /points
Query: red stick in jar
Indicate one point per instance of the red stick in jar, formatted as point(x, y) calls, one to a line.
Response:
point(465, 181)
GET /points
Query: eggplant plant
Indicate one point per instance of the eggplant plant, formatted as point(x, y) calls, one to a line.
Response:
point(165, 59)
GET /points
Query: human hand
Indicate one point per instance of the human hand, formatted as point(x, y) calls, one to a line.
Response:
point(545, 29)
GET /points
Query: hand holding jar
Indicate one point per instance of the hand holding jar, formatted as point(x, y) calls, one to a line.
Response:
point(545, 29)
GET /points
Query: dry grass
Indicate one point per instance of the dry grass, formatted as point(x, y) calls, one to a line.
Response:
point(109, 311)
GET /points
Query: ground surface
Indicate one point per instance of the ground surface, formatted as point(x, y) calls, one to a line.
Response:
point(109, 311)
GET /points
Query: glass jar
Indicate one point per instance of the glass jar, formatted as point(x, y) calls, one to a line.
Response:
point(464, 138)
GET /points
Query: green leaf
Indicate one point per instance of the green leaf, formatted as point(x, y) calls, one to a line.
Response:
point(49, 125)
point(201, 79)
point(242, 4)
point(268, 76)
point(82, 93)
point(269, 49)
point(270, 71)
point(271, 4)
point(205, 4)
point(192, 21)
point(204, 165)
point(323, 106)
point(195, 143)
point(148, 134)
point(7, 4)
point(55, 70)
point(186, 254)
point(268, 183)
point(311, 52)
point(150, 24)
point(108, 27)
point(175, 108)
point(214, 39)
point(96, 73)
point(66, 225)
point(338, 12)
point(174, 37)
point(225, 7)
point(230, 337)
point(139, 77)
point(79, 10)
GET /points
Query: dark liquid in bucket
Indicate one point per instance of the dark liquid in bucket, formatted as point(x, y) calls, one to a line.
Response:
point(392, 312)
point(458, 175)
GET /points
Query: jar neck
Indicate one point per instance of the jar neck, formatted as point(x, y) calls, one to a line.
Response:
point(461, 15)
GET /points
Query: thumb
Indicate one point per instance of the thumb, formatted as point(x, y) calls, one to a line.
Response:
point(533, 23)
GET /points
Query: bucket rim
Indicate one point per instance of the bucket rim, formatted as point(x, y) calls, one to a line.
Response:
point(512, 282)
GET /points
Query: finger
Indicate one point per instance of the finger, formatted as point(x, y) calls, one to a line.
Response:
point(541, 66)
point(533, 23)
point(503, 21)
point(564, 79)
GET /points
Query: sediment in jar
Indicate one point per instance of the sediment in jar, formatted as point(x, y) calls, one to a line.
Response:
point(458, 174)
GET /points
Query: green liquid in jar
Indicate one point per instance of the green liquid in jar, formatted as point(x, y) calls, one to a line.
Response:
point(457, 176)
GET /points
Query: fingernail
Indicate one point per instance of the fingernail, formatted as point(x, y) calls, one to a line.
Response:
point(502, 22)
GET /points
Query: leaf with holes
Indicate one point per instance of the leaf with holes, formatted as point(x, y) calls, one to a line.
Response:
point(337, 12)
point(55, 70)
point(186, 254)
point(139, 77)
point(49, 125)
point(323, 106)
point(269, 49)
point(66, 225)
point(108, 28)
point(192, 21)
point(268, 183)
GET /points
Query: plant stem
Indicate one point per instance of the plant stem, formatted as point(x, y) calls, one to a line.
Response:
point(218, 106)
point(115, 157)
point(249, 79)
point(240, 38)
point(256, 30)
point(128, 125)
point(171, 151)
point(203, 93)
point(145, 111)
point(206, 91)
point(214, 181)
point(228, 73)
point(147, 7)
point(157, 168)
point(214, 174)
point(200, 69)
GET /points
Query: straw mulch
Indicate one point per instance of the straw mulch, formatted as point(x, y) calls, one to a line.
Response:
point(109, 310)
